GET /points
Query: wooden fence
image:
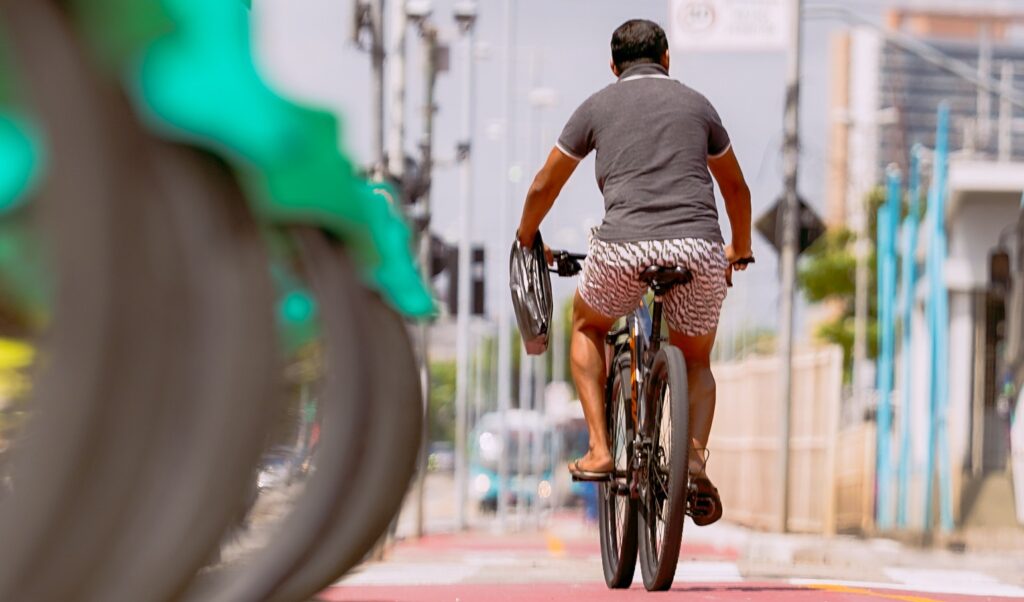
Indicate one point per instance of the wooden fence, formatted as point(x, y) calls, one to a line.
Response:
point(831, 476)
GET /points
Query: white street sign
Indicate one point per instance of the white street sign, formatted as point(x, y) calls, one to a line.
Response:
point(728, 25)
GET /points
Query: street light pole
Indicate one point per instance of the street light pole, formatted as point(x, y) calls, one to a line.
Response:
point(504, 310)
point(790, 222)
point(465, 15)
point(428, 33)
point(396, 110)
point(378, 54)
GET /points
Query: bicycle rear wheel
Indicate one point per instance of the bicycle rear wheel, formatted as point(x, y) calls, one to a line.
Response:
point(616, 508)
point(663, 499)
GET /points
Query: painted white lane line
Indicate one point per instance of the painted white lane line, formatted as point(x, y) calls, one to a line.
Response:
point(403, 574)
point(956, 581)
point(702, 572)
point(994, 590)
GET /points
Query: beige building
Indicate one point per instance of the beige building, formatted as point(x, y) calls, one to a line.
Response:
point(883, 98)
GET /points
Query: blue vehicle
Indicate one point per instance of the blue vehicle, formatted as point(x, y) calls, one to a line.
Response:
point(529, 447)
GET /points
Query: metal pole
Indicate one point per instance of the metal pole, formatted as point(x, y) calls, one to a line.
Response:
point(429, 35)
point(938, 319)
point(789, 253)
point(984, 102)
point(377, 54)
point(522, 435)
point(558, 346)
point(910, 232)
point(540, 380)
point(1006, 112)
point(888, 219)
point(465, 250)
point(396, 110)
point(504, 309)
point(478, 376)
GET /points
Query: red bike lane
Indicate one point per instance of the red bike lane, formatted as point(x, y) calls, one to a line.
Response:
point(548, 566)
point(596, 592)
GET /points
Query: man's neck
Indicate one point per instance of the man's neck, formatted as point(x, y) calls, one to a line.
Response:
point(644, 70)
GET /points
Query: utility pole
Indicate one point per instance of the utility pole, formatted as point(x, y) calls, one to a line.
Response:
point(465, 16)
point(790, 216)
point(396, 110)
point(377, 54)
point(428, 34)
point(505, 229)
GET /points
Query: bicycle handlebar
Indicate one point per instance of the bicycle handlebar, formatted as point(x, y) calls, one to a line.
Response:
point(567, 263)
point(743, 261)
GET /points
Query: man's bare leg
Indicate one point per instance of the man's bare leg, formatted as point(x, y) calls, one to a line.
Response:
point(702, 389)
point(589, 329)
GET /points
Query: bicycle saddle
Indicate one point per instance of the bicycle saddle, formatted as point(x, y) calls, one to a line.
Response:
point(663, 278)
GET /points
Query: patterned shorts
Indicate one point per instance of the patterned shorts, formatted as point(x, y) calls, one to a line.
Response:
point(611, 284)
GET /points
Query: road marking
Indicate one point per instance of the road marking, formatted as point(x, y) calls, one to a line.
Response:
point(702, 572)
point(717, 572)
point(841, 589)
point(494, 559)
point(992, 589)
point(954, 581)
point(406, 574)
point(556, 547)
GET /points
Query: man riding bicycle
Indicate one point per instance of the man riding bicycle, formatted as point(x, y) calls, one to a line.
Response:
point(658, 144)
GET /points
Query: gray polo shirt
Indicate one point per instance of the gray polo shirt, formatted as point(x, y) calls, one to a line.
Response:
point(653, 136)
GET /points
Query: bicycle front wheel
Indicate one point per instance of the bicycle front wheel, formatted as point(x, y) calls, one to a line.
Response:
point(663, 497)
point(617, 510)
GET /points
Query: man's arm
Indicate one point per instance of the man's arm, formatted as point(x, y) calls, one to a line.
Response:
point(543, 192)
point(726, 170)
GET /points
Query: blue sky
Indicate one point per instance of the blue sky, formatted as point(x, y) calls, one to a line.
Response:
point(305, 48)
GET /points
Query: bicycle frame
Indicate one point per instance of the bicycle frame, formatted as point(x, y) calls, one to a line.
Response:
point(643, 328)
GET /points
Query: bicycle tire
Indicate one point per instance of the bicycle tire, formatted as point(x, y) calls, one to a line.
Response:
point(394, 429)
point(663, 500)
point(98, 398)
point(617, 512)
point(226, 387)
point(334, 284)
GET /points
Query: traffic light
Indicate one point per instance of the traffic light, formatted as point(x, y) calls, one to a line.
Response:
point(476, 282)
point(444, 261)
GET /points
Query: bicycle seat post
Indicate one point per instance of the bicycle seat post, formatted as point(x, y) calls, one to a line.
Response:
point(661, 280)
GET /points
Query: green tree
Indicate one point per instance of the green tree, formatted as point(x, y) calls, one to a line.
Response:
point(828, 274)
point(442, 401)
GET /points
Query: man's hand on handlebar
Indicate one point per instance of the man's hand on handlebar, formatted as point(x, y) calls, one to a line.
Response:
point(737, 259)
point(566, 264)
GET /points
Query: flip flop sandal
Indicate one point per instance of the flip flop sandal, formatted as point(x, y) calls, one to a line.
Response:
point(706, 505)
point(578, 474)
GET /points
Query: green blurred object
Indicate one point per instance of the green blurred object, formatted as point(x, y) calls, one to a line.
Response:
point(297, 312)
point(24, 287)
point(118, 31)
point(287, 154)
point(190, 66)
point(21, 161)
point(298, 306)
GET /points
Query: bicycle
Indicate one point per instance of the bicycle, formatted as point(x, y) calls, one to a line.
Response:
point(643, 503)
point(166, 334)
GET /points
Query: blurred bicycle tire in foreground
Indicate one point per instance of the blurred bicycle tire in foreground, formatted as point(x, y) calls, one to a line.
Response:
point(208, 308)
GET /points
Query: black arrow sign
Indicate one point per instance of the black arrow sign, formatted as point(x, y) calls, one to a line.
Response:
point(770, 226)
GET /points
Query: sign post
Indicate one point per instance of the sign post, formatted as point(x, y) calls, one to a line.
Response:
point(729, 25)
point(762, 25)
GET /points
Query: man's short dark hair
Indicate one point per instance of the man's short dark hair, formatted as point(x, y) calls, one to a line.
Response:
point(638, 41)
